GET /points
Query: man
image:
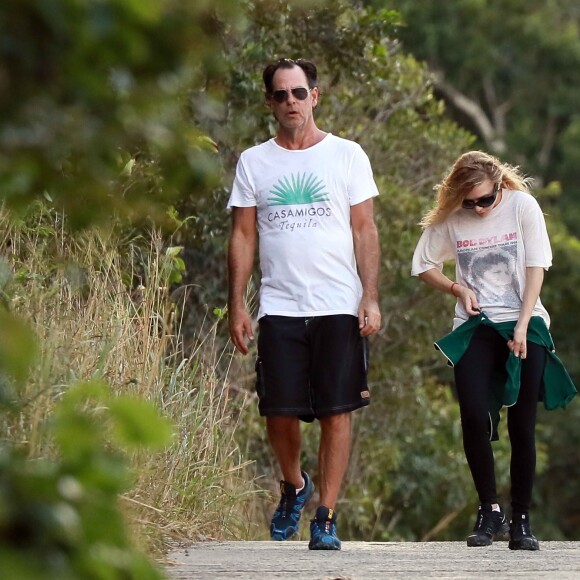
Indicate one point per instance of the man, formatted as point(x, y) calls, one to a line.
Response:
point(308, 196)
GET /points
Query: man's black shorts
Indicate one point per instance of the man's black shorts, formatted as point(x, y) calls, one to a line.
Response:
point(311, 367)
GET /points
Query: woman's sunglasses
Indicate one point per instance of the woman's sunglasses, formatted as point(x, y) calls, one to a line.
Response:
point(281, 96)
point(482, 201)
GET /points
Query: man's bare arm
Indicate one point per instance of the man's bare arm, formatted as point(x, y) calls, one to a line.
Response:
point(241, 249)
point(367, 254)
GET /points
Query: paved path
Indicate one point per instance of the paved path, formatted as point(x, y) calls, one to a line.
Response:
point(371, 561)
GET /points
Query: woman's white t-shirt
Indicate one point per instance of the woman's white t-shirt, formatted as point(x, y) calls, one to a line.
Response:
point(303, 200)
point(491, 254)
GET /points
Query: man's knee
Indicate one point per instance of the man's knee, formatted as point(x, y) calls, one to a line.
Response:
point(335, 422)
point(281, 422)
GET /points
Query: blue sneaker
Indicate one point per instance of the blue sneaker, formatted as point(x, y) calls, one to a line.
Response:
point(323, 530)
point(286, 518)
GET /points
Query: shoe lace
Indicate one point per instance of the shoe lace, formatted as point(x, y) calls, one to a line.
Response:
point(524, 528)
point(283, 506)
point(485, 522)
point(324, 527)
point(286, 504)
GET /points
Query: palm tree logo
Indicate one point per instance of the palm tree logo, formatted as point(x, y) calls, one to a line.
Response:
point(298, 190)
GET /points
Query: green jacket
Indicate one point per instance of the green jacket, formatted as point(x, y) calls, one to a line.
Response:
point(557, 389)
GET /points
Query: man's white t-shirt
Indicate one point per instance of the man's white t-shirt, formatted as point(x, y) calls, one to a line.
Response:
point(303, 200)
point(491, 254)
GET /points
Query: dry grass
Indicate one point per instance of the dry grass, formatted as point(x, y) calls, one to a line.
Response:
point(101, 308)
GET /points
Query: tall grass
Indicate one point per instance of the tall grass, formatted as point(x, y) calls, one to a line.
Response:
point(101, 306)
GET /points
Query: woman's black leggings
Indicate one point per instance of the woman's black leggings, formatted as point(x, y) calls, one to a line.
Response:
point(476, 374)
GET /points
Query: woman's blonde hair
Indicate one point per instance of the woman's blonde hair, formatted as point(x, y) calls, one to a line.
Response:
point(469, 171)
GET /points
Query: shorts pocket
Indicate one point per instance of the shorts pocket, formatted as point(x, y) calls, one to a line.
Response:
point(259, 378)
point(366, 354)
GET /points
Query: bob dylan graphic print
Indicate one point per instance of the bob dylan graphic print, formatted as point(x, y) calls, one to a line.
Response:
point(488, 266)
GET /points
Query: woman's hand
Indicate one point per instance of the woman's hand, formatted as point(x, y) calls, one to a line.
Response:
point(468, 299)
point(518, 344)
point(534, 279)
point(437, 280)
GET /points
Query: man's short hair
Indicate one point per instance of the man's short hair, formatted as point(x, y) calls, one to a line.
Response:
point(308, 67)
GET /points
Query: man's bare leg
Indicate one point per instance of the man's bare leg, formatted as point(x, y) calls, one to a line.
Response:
point(333, 456)
point(285, 438)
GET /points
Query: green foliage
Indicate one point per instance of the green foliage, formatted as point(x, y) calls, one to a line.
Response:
point(174, 265)
point(519, 70)
point(17, 351)
point(59, 518)
point(555, 490)
point(104, 312)
point(561, 286)
point(134, 422)
point(96, 106)
point(98, 113)
point(560, 433)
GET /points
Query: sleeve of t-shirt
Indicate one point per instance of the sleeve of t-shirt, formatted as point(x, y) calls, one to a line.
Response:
point(535, 235)
point(243, 192)
point(361, 183)
point(434, 248)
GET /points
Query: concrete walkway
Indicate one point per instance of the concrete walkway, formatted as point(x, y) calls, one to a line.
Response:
point(371, 561)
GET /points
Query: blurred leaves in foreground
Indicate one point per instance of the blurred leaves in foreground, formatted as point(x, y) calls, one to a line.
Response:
point(59, 517)
point(97, 101)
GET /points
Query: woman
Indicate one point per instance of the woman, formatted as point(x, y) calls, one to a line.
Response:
point(500, 346)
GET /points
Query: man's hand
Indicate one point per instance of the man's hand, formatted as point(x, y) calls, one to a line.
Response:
point(241, 330)
point(369, 317)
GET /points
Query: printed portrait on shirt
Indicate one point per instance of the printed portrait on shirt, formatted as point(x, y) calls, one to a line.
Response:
point(491, 274)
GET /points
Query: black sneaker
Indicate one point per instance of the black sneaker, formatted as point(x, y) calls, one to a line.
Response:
point(323, 530)
point(489, 525)
point(521, 537)
point(286, 518)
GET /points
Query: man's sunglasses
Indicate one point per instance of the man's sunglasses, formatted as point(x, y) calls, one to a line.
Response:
point(482, 201)
point(281, 95)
